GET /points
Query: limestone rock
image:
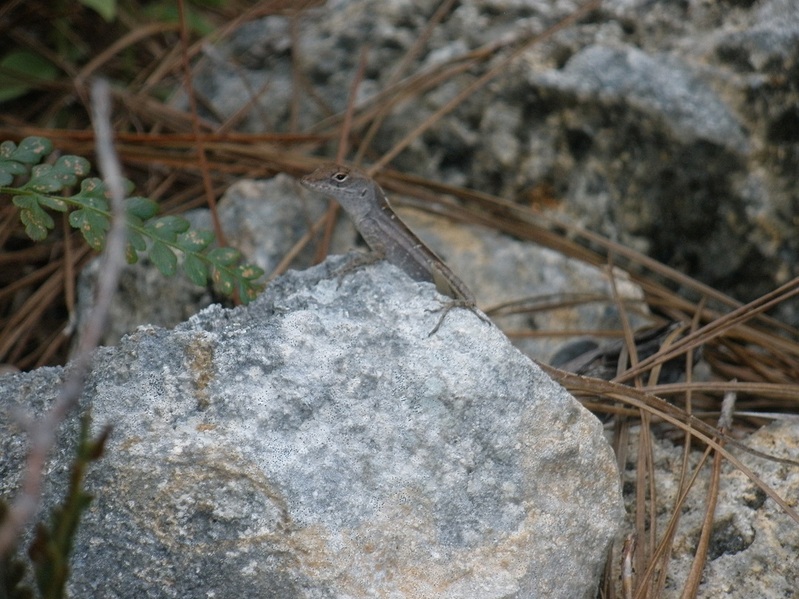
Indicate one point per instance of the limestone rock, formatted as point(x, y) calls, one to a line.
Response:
point(319, 443)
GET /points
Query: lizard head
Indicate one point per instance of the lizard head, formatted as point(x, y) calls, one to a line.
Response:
point(352, 188)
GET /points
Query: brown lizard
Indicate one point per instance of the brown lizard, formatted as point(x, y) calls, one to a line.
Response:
point(387, 236)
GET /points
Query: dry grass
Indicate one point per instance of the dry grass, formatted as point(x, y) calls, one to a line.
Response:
point(183, 161)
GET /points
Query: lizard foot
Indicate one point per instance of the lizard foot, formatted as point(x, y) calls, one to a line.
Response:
point(456, 303)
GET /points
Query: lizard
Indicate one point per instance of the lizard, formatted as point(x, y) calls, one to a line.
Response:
point(387, 236)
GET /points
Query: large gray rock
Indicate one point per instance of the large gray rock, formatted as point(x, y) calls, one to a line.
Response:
point(320, 444)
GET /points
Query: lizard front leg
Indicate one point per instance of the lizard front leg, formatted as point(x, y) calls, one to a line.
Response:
point(360, 260)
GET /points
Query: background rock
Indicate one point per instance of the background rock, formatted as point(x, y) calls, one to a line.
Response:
point(320, 443)
point(754, 543)
point(670, 127)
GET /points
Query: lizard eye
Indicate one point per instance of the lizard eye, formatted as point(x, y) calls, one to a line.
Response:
point(340, 177)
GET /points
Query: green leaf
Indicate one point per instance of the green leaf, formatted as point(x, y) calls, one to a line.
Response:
point(53, 203)
point(224, 256)
point(21, 71)
point(45, 179)
point(247, 292)
point(249, 272)
point(92, 225)
point(36, 227)
point(91, 186)
point(142, 208)
point(224, 281)
point(174, 224)
point(196, 241)
point(167, 228)
point(92, 193)
point(135, 245)
point(134, 222)
point(37, 222)
point(195, 269)
point(105, 8)
point(6, 148)
point(30, 151)
point(136, 240)
point(76, 166)
point(10, 169)
point(164, 258)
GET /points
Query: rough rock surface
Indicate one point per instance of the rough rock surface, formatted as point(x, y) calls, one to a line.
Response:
point(754, 544)
point(319, 443)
